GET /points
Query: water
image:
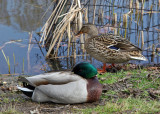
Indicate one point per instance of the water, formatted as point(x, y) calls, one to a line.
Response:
point(20, 18)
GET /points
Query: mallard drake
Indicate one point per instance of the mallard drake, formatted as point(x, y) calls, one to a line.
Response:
point(78, 86)
point(109, 48)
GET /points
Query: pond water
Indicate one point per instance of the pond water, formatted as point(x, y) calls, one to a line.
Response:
point(21, 19)
point(18, 18)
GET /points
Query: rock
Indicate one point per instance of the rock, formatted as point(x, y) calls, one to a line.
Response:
point(1, 92)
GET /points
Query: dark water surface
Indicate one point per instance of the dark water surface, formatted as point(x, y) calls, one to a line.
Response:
point(21, 18)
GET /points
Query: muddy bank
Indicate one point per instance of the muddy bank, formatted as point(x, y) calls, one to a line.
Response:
point(14, 100)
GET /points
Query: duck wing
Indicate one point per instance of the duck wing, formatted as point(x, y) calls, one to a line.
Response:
point(73, 92)
point(126, 45)
point(50, 78)
point(53, 78)
point(116, 42)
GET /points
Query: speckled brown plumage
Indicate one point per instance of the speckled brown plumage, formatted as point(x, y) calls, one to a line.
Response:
point(101, 46)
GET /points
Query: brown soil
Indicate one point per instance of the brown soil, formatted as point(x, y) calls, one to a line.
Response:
point(18, 101)
point(11, 98)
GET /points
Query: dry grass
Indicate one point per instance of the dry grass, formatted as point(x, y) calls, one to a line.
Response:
point(54, 33)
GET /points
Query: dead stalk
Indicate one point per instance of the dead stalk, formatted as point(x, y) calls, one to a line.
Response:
point(29, 50)
point(142, 39)
point(125, 24)
point(69, 37)
point(63, 25)
point(7, 60)
point(137, 6)
point(139, 38)
point(80, 21)
point(14, 62)
point(86, 21)
point(102, 14)
point(153, 53)
point(131, 4)
point(115, 23)
point(94, 10)
point(86, 16)
point(60, 39)
point(74, 49)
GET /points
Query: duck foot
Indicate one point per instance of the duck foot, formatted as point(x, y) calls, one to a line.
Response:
point(103, 70)
point(111, 68)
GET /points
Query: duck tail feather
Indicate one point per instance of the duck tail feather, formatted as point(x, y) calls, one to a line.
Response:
point(26, 91)
point(139, 58)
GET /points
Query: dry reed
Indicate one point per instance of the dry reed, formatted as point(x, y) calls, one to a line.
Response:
point(29, 50)
point(69, 37)
point(94, 10)
point(131, 4)
point(153, 53)
point(125, 24)
point(137, 6)
point(80, 21)
point(7, 60)
point(142, 39)
point(14, 63)
point(114, 22)
point(74, 13)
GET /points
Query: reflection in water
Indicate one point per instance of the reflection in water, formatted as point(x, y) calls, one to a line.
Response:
point(23, 15)
point(17, 18)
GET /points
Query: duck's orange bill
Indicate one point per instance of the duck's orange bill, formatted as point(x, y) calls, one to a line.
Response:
point(80, 32)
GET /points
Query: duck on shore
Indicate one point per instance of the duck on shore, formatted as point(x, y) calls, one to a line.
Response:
point(109, 48)
point(78, 86)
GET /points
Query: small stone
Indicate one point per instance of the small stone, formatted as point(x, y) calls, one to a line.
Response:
point(1, 92)
point(4, 82)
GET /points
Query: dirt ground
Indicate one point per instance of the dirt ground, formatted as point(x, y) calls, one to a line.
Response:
point(12, 99)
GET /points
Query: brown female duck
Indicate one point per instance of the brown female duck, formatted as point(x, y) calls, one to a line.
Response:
point(109, 48)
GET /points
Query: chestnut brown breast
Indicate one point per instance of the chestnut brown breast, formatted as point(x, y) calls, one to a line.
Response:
point(94, 89)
